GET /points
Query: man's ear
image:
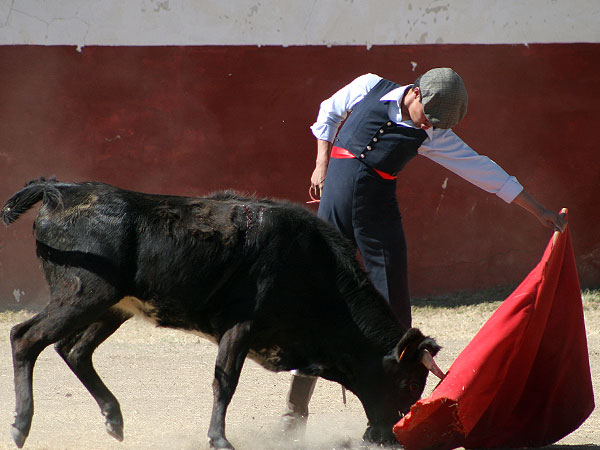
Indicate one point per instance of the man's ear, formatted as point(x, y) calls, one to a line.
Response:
point(417, 91)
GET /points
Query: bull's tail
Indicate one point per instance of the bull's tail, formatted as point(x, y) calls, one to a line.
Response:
point(32, 193)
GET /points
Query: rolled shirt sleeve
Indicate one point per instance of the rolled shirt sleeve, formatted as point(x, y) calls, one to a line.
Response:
point(447, 149)
point(335, 109)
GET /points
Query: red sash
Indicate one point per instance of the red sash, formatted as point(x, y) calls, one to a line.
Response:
point(342, 153)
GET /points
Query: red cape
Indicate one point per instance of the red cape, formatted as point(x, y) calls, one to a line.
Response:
point(524, 380)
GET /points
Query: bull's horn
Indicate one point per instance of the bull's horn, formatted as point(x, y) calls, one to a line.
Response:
point(429, 362)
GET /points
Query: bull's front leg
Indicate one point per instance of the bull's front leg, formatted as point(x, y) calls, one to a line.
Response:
point(233, 348)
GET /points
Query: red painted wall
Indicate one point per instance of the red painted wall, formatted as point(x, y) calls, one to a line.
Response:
point(192, 120)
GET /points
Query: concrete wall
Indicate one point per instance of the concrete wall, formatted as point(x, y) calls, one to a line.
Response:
point(192, 97)
point(289, 22)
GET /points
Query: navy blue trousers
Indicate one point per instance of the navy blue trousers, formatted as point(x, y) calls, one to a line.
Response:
point(364, 207)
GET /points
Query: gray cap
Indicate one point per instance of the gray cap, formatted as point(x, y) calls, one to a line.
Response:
point(444, 97)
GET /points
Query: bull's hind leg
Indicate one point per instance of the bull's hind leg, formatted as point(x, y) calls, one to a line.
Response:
point(233, 348)
point(61, 318)
point(24, 357)
point(77, 351)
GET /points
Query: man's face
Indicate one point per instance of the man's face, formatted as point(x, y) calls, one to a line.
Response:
point(415, 110)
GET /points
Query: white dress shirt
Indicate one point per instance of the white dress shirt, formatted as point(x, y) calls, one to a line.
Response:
point(442, 146)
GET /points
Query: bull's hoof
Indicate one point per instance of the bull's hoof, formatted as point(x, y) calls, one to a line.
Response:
point(293, 425)
point(115, 430)
point(381, 436)
point(220, 444)
point(18, 436)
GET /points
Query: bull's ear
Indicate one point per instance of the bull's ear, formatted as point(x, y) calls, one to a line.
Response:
point(413, 345)
point(430, 345)
point(408, 347)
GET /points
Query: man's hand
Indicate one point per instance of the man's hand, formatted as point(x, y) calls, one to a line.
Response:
point(317, 180)
point(551, 219)
point(318, 176)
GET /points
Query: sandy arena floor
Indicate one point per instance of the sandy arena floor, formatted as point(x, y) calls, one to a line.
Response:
point(162, 379)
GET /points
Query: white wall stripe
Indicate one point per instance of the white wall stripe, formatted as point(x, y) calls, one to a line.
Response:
point(293, 22)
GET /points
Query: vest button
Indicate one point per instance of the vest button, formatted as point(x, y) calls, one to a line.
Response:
point(389, 124)
point(369, 148)
point(375, 139)
point(362, 155)
point(381, 131)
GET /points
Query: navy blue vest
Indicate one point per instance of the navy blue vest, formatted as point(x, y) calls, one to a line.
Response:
point(372, 137)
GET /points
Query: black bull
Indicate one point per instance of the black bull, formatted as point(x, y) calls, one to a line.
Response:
point(261, 278)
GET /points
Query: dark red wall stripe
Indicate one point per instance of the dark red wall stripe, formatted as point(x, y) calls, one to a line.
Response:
point(192, 120)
